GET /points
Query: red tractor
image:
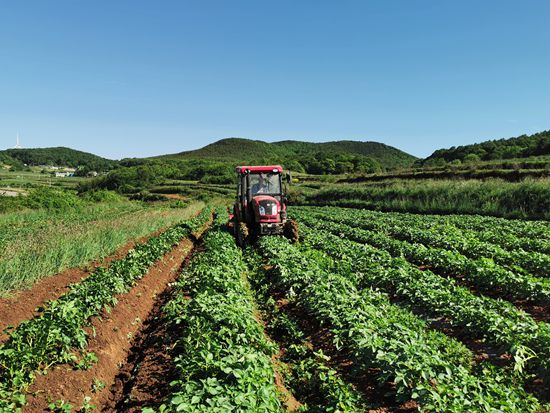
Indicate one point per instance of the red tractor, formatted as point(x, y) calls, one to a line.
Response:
point(260, 208)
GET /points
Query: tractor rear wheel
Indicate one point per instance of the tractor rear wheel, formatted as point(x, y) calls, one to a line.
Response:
point(290, 230)
point(242, 234)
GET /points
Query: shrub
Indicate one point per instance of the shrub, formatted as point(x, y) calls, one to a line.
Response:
point(101, 195)
point(50, 198)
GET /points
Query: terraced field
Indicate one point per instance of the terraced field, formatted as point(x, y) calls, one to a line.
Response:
point(369, 312)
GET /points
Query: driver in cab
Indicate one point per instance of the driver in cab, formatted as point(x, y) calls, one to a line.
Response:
point(262, 186)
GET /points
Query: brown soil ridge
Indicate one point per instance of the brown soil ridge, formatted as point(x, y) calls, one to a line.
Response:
point(111, 342)
point(143, 381)
point(23, 305)
point(290, 403)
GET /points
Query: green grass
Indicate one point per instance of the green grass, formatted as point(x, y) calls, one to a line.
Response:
point(529, 199)
point(37, 244)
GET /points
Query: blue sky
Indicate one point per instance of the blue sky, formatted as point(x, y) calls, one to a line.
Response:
point(140, 78)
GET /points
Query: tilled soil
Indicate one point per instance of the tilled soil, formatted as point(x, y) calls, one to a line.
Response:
point(111, 340)
point(22, 306)
point(143, 381)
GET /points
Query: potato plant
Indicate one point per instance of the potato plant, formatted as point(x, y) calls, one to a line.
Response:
point(414, 228)
point(482, 272)
point(425, 365)
point(497, 321)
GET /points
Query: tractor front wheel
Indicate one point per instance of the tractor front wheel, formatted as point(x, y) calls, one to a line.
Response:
point(290, 230)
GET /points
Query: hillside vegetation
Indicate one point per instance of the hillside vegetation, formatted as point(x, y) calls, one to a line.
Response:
point(314, 158)
point(59, 156)
point(519, 147)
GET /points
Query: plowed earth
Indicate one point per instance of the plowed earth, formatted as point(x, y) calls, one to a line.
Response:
point(111, 339)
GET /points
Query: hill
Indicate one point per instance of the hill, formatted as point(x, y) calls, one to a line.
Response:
point(388, 156)
point(326, 157)
point(59, 156)
point(519, 147)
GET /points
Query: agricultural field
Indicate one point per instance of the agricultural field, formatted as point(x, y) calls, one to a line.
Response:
point(369, 312)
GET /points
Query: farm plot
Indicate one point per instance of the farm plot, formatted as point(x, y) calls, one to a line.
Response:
point(60, 335)
point(353, 318)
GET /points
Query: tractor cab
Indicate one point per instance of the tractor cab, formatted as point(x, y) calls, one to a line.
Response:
point(260, 207)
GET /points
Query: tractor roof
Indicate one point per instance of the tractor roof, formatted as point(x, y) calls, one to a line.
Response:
point(265, 169)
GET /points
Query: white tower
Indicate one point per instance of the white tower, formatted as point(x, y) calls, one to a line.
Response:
point(17, 145)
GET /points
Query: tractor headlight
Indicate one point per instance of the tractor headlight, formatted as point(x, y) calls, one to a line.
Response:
point(274, 209)
point(262, 210)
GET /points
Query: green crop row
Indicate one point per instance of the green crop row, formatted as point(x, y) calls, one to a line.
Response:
point(509, 234)
point(482, 273)
point(533, 234)
point(222, 357)
point(497, 321)
point(412, 228)
point(425, 365)
point(318, 387)
point(523, 231)
point(55, 335)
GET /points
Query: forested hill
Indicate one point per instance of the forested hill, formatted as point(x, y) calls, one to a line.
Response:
point(326, 157)
point(520, 147)
point(59, 156)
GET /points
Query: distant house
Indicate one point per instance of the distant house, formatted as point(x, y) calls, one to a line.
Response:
point(63, 174)
point(92, 173)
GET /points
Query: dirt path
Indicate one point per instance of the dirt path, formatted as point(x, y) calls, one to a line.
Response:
point(112, 342)
point(22, 306)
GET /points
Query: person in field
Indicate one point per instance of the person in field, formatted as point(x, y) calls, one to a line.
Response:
point(262, 186)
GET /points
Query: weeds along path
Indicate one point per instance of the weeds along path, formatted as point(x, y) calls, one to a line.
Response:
point(82, 338)
point(24, 304)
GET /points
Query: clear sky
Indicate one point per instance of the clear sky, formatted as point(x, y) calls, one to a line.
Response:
point(125, 78)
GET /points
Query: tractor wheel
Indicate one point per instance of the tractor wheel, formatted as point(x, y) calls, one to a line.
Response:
point(290, 230)
point(242, 234)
